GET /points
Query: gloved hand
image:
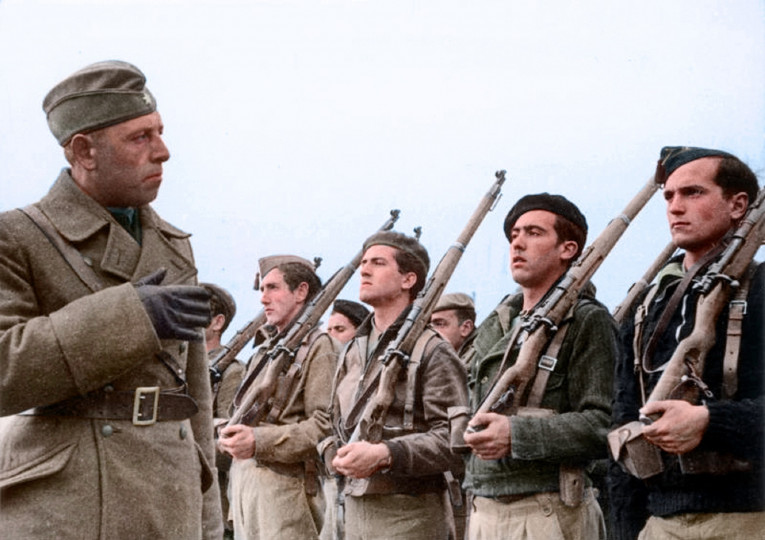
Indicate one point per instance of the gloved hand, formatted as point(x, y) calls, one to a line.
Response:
point(176, 311)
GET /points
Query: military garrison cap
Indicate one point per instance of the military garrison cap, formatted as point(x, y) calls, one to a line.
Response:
point(674, 157)
point(454, 301)
point(221, 301)
point(404, 243)
point(266, 264)
point(557, 204)
point(95, 97)
point(355, 312)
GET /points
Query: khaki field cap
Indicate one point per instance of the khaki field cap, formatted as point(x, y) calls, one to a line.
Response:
point(95, 97)
point(266, 264)
point(454, 301)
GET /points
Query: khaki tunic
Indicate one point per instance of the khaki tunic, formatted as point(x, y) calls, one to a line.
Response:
point(268, 492)
point(96, 479)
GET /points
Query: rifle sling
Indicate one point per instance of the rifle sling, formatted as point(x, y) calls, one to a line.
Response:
point(674, 302)
point(736, 313)
point(287, 386)
point(546, 366)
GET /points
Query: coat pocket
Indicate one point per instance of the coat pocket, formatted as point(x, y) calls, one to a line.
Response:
point(42, 466)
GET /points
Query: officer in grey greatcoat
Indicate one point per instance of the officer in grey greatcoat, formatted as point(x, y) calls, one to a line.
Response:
point(105, 404)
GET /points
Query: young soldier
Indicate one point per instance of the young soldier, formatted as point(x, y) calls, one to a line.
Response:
point(275, 488)
point(224, 379)
point(707, 193)
point(105, 391)
point(345, 318)
point(396, 488)
point(515, 470)
point(454, 318)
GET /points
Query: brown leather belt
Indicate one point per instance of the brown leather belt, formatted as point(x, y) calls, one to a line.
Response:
point(509, 499)
point(144, 406)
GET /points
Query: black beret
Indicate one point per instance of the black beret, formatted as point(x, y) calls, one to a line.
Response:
point(673, 157)
point(402, 242)
point(557, 204)
point(355, 312)
point(95, 97)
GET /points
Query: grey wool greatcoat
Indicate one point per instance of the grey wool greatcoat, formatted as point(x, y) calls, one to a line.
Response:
point(69, 477)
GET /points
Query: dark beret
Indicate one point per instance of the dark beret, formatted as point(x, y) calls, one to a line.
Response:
point(454, 301)
point(355, 312)
point(222, 299)
point(95, 97)
point(673, 157)
point(557, 204)
point(402, 242)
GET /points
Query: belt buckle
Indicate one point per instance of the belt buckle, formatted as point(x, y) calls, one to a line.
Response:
point(140, 394)
point(548, 362)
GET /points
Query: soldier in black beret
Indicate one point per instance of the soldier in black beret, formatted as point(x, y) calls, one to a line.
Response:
point(711, 451)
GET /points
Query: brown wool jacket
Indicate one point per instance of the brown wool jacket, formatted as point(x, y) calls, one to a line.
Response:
point(86, 478)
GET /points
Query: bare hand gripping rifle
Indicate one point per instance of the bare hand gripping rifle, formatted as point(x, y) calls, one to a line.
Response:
point(397, 354)
point(253, 403)
point(687, 362)
point(543, 321)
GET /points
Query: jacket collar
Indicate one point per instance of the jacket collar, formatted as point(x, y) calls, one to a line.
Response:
point(77, 217)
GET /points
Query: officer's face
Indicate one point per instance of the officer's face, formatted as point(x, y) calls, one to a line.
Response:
point(128, 160)
point(698, 212)
point(340, 327)
point(381, 281)
point(279, 303)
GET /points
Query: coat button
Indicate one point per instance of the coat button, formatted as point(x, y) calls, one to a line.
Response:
point(107, 430)
point(182, 347)
point(108, 388)
point(485, 380)
point(183, 432)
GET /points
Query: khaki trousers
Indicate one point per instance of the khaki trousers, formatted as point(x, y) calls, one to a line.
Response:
point(266, 504)
point(719, 526)
point(387, 517)
point(537, 517)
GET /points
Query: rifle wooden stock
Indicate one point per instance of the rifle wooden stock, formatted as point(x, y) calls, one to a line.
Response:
point(715, 288)
point(545, 318)
point(621, 311)
point(252, 403)
point(370, 425)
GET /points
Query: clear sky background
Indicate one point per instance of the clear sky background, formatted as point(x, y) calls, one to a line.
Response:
point(295, 127)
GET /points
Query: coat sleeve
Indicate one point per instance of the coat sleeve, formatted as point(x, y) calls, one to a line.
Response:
point(294, 442)
point(75, 345)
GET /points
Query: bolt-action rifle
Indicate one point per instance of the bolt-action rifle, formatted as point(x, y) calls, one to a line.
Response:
point(687, 362)
point(397, 354)
point(543, 321)
point(253, 403)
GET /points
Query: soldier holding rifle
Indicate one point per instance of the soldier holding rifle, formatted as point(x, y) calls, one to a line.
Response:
point(707, 481)
point(275, 487)
point(395, 487)
point(526, 469)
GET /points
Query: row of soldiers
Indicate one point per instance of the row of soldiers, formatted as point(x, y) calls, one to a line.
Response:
point(106, 408)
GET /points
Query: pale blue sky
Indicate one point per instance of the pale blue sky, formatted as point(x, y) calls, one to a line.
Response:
point(295, 127)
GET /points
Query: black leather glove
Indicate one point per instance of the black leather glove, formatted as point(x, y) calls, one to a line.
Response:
point(176, 311)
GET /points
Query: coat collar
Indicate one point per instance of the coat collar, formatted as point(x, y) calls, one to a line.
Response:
point(78, 217)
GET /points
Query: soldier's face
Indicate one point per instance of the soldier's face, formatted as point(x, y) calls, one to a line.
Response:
point(447, 324)
point(698, 212)
point(340, 327)
point(381, 280)
point(537, 256)
point(128, 160)
point(280, 304)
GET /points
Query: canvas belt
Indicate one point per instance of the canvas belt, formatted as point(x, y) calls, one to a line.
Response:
point(144, 406)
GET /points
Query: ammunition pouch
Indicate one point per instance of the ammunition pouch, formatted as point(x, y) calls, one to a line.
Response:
point(637, 456)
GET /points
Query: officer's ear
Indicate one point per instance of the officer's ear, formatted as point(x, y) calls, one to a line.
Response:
point(82, 151)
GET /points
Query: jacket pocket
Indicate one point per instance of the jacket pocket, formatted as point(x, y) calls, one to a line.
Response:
point(42, 466)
